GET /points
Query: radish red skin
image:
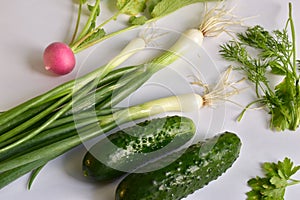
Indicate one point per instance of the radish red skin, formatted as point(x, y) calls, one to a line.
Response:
point(59, 58)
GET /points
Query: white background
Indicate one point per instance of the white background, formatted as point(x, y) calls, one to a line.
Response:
point(27, 27)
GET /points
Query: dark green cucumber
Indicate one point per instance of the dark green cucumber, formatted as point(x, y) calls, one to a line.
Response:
point(128, 149)
point(196, 167)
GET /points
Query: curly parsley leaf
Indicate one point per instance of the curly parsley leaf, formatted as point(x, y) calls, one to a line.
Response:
point(273, 185)
point(257, 51)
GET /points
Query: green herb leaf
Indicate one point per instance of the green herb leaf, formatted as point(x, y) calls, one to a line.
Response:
point(274, 194)
point(270, 169)
point(287, 168)
point(276, 68)
point(91, 8)
point(100, 33)
point(273, 185)
point(278, 182)
point(286, 113)
point(131, 7)
point(133, 20)
point(152, 4)
point(96, 9)
point(261, 189)
point(165, 7)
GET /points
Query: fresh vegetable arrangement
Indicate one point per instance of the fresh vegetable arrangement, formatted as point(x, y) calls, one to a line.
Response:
point(274, 53)
point(29, 141)
point(59, 57)
point(148, 158)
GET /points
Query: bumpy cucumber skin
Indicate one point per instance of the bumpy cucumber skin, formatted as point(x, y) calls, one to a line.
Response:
point(145, 137)
point(195, 168)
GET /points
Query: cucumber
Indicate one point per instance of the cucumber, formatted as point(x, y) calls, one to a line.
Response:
point(196, 167)
point(132, 147)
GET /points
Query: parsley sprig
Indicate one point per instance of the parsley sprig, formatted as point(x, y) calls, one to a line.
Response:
point(258, 52)
point(273, 185)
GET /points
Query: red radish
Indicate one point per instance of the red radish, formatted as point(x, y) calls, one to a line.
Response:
point(59, 58)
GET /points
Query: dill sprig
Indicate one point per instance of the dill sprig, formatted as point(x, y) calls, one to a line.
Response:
point(257, 52)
